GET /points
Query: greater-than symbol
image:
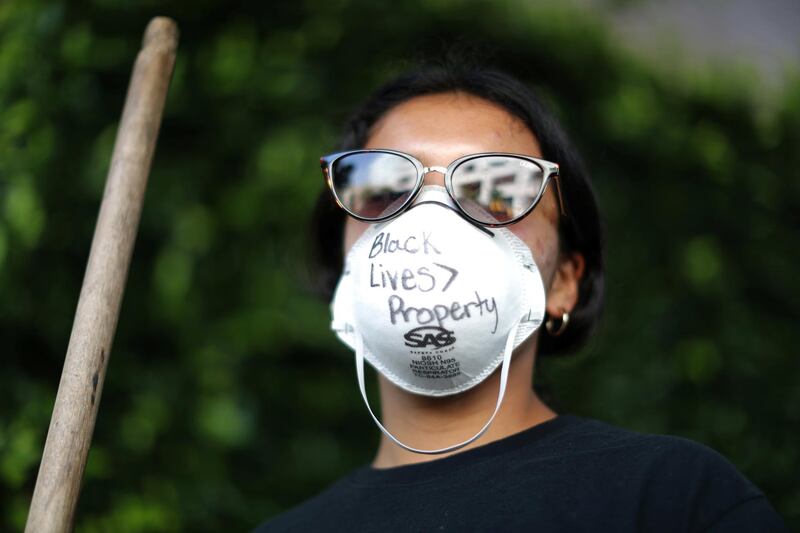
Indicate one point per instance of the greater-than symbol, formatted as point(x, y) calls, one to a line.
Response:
point(453, 273)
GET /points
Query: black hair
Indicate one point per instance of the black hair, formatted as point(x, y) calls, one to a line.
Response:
point(580, 231)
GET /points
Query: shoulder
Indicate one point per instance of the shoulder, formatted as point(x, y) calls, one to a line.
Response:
point(671, 476)
point(588, 435)
point(657, 459)
point(309, 515)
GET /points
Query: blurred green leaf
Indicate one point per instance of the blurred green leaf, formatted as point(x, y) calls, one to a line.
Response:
point(24, 212)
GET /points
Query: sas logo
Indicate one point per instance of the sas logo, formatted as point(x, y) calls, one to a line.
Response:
point(425, 336)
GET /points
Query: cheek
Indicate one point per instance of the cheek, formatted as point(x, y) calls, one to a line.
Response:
point(352, 231)
point(539, 230)
point(541, 237)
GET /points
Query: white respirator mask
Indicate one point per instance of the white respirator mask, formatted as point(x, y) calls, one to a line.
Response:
point(436, 303)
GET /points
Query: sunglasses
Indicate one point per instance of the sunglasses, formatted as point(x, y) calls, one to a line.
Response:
point(492, 189)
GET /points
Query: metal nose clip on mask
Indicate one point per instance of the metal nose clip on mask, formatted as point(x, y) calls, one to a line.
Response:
point(436, 304)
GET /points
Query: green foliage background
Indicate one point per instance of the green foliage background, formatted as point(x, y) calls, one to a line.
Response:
point(227, 398)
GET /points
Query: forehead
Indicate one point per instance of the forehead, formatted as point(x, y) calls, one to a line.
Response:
point(439, 128)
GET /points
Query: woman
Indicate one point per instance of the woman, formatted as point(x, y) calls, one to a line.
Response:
point(465, 221)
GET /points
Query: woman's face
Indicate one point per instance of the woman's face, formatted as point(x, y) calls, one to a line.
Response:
point(439, 128)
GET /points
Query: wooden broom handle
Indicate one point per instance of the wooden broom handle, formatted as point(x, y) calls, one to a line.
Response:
point(72, 424)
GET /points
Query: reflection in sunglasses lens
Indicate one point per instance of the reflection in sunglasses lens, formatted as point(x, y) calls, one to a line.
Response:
point(373, 185)
point(496, 189)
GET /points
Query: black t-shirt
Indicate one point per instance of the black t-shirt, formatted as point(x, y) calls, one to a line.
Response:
point(568, 474)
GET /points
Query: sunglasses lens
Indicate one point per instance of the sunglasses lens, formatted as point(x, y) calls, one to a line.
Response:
point(497, 189)
point(373, 185)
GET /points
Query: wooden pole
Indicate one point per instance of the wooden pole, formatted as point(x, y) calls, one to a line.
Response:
point(72, 424)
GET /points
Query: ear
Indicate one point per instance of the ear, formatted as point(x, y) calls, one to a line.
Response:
point(563, 293)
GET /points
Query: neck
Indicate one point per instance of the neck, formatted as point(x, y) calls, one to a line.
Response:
point(431, 423)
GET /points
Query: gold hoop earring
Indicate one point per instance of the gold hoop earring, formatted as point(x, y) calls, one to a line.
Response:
point(551, 327)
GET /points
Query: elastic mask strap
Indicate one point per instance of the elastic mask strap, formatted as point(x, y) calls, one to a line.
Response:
point(509, 349)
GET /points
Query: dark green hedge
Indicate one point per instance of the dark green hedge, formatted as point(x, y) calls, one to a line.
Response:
point(227, 399)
